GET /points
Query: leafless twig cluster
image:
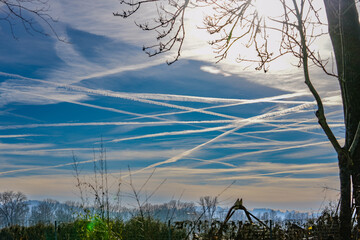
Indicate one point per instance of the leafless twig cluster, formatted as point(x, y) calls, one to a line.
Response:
point(234, 22)
point(31, 14)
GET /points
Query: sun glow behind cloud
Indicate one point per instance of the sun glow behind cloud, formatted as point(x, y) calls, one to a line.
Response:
point(268, 8)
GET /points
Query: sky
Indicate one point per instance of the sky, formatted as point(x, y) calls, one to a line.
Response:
point(196, 127)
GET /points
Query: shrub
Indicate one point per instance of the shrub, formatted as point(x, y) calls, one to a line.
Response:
point(147, 228)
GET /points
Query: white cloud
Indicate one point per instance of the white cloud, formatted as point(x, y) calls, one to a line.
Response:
point(80, 153)
point(96, 17)
point(30, 93)
point(23, 146)
point(19, 136)
point(213, 70)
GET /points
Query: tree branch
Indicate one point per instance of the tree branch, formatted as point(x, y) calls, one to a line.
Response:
point(29, 13)
point(320, 114)
point(355, 141)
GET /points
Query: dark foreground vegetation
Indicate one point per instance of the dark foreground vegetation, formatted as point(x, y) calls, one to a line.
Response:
point(325, 227)
point(95, 228)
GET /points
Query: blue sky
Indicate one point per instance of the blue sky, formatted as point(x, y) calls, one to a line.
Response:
point(201, 125)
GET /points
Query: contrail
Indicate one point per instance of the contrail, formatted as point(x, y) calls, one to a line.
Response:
point(173, 159)
point(212, 161)
point(19, 135)
point(251, 120)
point(186, 153)
point(261, 175)
point(240, 122)
point(270, 150)
point(127, 96)
point(125, 112)
point(120, 111)
point(220, 160)
point(139, 99)
point(174, 133)
point(82, 104)
point(122, 69)
point(222, 106)
point(46, 167)
point(189, 111)
point(301, 129)
point(264, 166)
point(160, 123)
point(248, 121)
point(187, 98)
point(78, 103)
point(256, 145)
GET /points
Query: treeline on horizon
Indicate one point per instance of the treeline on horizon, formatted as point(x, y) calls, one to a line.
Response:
point(16, 209)
point(173, 220)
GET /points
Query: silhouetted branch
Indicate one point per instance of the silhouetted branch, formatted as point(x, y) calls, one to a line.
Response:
point(31, 14)
point(232, 22)
point(169, 25)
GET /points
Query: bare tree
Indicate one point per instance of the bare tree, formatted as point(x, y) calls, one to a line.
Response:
point(238, 21)
point(44, 212)
point(208, 205)
point(32, 15)
point(13, 208)
point(65, 212)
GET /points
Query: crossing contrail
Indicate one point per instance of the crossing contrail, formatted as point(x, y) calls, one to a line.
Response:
point(235, 123)
point(270, 150)
point(141, 98)
point(46, 167)
point(127, 96)
point(174, 133)
point(82, 104)
point(240, 124)
point(159, 123)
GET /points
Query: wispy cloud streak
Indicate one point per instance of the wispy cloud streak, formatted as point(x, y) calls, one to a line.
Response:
point(240, 125)
point(251, 167)
point(143, 97)
point(295, 129)
point(79, 103)
point(175, 133)
point(225, 106)
point(159, 123)
point(44, 167)
point(242, 122)
point(269, 150)
point(186, 153)
point(186, 98)
point(127, 96)
point(18, 135)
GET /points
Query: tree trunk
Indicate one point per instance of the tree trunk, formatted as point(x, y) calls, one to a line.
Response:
point(344, 30)
point(345, 199)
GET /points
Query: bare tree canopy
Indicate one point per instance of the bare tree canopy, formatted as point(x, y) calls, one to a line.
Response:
point(45, 211)
point(208, 205)
point(13, 208)
point(291, 26)
point(233, 23)
point(32, 15)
